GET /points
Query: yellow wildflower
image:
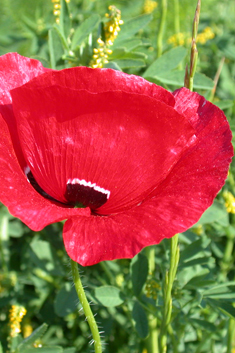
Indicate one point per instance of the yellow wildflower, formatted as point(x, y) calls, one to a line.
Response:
point(149, 6)
point(206, 35)
point(152, 288)
point(111, 30)
point(57, 8)
point(229, 201)
point(177, 39)
point(27, 329)
point(16, 315)
point(119, 279)
point(198, 230)
point(184, 38)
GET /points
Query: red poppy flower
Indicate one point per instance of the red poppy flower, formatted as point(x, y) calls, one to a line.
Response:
point(124, 161)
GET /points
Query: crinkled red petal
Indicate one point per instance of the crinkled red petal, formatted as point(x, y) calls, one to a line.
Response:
point(175, 205)
point(19, 195)
point(15, 70)
point(102, 80)
point(123, 142)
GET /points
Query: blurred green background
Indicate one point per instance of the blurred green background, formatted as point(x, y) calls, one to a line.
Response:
point(34, 266)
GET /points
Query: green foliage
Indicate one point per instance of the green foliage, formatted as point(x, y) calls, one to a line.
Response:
point(109, 296)
point(139, 273)
point(166, 63)
point(127, 296)
point(140, 319)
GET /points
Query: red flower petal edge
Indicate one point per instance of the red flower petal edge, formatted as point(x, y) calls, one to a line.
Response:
point(144, 163)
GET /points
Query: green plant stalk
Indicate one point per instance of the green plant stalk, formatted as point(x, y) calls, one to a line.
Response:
point(3, 243)
point(216, 79)
point(173, 339)
point(152, 339)
point(231, 330)
point(189, 74)
point(86, 307)
point(176, 16)
point(177, 23)
point(167, 298)
point(161, 28)
point(193, 64)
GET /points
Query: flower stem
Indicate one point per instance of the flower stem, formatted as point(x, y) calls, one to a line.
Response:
point(167, 299)
point(216, 79)
point(176, 16)
point(189, 74)
point(161, 28)
point(4, 236)
point(152, 339)
point(86, 307)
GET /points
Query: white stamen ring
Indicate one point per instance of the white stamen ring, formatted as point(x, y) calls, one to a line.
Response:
point(89, 184)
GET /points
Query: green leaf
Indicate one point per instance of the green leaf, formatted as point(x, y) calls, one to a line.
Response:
point(112, 65)
point(84, 30)
point(62, 37)
point(167, 62)
point(199, 281)
point(220, 291)
point(127, 63)
point(141, 321)
point(202, 324)
point(227, 103)
point(131, 27)
point(224, 307)
point(65, 21)
point(109, 296)
point(45, 257)
point(47, 349)
point(129, 44)
point(216, 213)
point(201, 81)
point(121, 53)
point(139, 272)
point(198, 261)
point(15, 229)
point(55, 47)
point(194, 249)
point(29, 341)
point(69, 350)
point(229, 51)
point(15, 342)
point(65, 301)
point(177, 78)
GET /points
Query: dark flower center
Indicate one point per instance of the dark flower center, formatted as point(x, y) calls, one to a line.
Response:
point(79, 193)
point(86, 194)
point(35, 185)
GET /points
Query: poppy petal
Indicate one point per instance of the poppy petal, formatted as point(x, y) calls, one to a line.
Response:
point(176, 204)
point(124, 143)
point(18, 194)
point(15, 70)
point(102, 80)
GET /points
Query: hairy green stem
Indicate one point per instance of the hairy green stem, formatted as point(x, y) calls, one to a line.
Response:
point(86, 307)
point(161, 28)
point(167, 298)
